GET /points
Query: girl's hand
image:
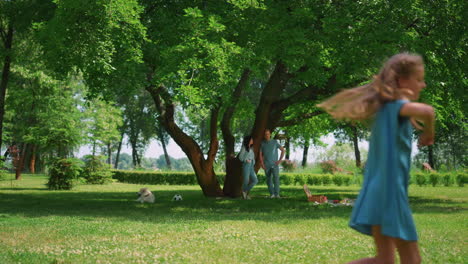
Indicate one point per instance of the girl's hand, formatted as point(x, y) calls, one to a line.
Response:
point(248, 161)
point(426, 139)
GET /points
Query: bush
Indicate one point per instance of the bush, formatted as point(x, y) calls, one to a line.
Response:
point(299, 179)
point(286, 179)
point(96, 171)
point(338, 179)
point(447, 179)
point(3, 171)
point(420, 178)
point(288, 165)
point(62, 173)
point(313, 179)
point(328, 166)
point(326, 179)
point(347, 180)
point(160, 178)
point(434, 178)
point(461, 179)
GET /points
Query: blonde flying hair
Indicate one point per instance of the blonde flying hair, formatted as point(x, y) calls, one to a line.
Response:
point(363, 102)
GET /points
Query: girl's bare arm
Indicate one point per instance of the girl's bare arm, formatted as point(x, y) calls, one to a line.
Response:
point(425, 114)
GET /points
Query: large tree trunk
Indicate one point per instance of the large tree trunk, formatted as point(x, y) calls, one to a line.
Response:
point(109, 154)
point(203, 168)
point(305, 153)
point(233, 179)
point(357, 153)
point(430, 156)
point(134, 155)
point(288, 147)
point(5, 77)
point(119, 148)
point(20, 166)
point(32, 161)
point(263, 119)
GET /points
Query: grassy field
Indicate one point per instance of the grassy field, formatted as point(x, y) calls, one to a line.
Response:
point(104, 224)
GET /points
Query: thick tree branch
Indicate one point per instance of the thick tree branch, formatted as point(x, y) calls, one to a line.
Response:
point(229, 112)
point(298, 119)
point(302, 69)
point(307, 93)
point(213, 136)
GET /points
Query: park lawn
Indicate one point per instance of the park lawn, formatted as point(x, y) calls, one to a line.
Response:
point(104, 224)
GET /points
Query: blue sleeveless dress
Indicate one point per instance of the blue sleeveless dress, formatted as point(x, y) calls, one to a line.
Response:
point(383, 199)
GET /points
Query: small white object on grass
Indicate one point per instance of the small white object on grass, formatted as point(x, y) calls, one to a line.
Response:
point(177, 197)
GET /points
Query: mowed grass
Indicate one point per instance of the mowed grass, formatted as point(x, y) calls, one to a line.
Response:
point(104, 224)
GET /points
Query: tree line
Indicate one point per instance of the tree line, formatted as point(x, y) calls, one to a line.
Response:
point(206, 72)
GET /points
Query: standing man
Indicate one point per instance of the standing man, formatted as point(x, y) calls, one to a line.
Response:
point(270, 163)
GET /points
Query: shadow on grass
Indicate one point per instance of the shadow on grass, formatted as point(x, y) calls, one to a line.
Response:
point(195, 207)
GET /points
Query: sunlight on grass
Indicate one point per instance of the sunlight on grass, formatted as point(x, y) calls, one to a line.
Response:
point(104, 224)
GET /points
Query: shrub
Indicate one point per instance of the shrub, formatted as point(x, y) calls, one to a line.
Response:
point(288, 165)
point(420, 178)
point(261, 178)
point(461, 179)
point(160, 178)
point(96, 171)
point(313, 179)
point(434, 178)
point(447, 179)
point(299, 179)
point(337, 179)
point(286, 179)
point(326, 179)
point(3, 171)
point(62, 173)
point(328, 166)
point(347, 180)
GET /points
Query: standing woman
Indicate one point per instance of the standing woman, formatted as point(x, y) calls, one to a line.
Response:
point(247, 157)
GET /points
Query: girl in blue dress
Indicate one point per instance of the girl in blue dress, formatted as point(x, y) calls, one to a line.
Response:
point(382, 209)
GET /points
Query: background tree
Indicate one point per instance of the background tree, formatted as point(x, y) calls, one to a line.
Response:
point(16, 22)
point(42, 116)
point(299, 51)
point(104, 120)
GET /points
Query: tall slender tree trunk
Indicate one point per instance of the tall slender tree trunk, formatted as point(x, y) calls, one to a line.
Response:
point(94, 149)
point(305, 153)
point(5, 77)
point(20, 166)
point(32, 161)
point(357, 153)
point(166, 155)
point(117, 156)
point(109, 154)
point(163, 144)
point(136, 159)
point(430, 156)
point(288, 147)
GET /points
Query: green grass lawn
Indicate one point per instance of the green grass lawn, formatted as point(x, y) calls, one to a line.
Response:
point(104, 224)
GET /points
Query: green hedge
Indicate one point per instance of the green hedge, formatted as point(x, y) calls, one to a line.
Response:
point(435, 178)
point(286, 178)
point(188, 178)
